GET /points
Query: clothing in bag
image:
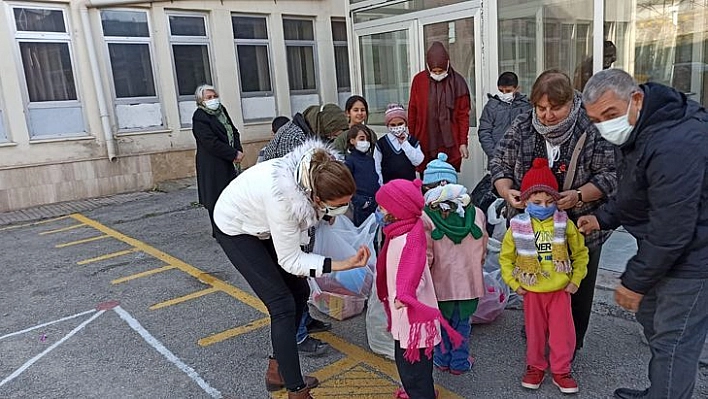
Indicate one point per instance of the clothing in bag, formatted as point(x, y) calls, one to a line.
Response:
point(496, 218)
point(492, 304)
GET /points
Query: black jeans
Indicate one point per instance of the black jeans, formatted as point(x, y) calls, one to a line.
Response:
point(284, 294)
point(675, 322)
point(581, 301)
point(417, 378)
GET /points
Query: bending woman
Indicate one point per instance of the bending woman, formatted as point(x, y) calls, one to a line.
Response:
point(262, 219)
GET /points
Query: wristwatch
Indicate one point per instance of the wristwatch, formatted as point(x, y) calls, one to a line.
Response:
point(580, 198)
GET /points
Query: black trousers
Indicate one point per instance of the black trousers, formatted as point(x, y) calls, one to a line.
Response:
point(581, 301)
point(285, 295)
point(417, 378)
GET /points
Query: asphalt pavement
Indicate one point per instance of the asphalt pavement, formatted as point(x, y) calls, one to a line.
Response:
point(133, 298)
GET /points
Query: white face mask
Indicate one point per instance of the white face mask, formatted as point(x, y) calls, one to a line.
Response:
point(506, 97)
point(398, 131)
point(212, 104)
point(439, 77)
point(617, 130)
point(334, 211)
point(363, 146)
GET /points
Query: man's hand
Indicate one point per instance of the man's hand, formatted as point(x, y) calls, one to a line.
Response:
point(587, 224)
point(571, 288)
point(520, 291)
point(464, 152)
point(627, 298)
point(568, 200)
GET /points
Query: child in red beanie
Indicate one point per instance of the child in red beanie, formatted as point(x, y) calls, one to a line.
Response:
point(544, 258)
point(405, 287)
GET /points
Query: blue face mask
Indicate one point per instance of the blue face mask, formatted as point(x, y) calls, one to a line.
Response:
point(381, 218)
point(540, 212)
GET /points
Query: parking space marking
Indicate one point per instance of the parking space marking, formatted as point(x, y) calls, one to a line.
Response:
point(17, 226)
point(143, 274)
point(184, 298)
point(232, 332)
point(107, 256)
point(37, 327)
point(72, 227)
point(85, 240)
point(51, 348)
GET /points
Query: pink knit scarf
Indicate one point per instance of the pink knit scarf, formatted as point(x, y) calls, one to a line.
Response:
point(410, 270)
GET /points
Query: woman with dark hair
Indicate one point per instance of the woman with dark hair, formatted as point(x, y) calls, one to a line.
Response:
point(439, 109)
point(219, 150)
point(262, 219)
point(356, 110)
point(558, 129)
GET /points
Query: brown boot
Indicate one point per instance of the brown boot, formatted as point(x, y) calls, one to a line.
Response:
point(304, 393)
point(274, 381)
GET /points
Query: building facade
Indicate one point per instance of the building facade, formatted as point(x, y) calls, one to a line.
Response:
point(96, 96)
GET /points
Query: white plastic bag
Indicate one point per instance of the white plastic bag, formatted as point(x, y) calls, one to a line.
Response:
point(380, 339)
point(492, 304)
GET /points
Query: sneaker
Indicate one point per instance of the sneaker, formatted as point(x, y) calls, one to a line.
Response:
point(316, 326)
point(565, 382)
point(312, 347)
point(400, 394)
point(460, 372)
point(533, 378)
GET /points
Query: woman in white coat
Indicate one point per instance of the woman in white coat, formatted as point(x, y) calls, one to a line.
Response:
point(262, 218)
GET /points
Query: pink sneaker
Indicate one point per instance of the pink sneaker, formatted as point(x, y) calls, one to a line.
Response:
point(533, 378)
point(460, 372)
point(565, 382)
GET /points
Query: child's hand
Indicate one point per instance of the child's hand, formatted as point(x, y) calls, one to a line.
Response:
point(571, 288)
point(520, 291)
point(398, 304)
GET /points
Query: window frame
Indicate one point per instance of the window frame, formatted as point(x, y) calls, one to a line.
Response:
point(254, 42)
point(189, 40)
point(108, 40)
point(44, 37)
point(340, 44)
point(303, 43)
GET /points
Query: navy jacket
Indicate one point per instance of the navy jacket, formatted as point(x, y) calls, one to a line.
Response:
point(662, 190)
point(364, 172)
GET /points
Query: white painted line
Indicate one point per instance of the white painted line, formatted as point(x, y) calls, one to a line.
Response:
point(47, 324)
point(36, 358)
point(135, 325)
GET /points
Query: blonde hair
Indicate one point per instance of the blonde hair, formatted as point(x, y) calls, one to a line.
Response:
point(199, 93)
point(331, 179)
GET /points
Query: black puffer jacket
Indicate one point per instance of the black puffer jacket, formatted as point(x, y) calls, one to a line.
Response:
point(662, 191)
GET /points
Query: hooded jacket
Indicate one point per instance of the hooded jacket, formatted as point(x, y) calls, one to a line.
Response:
point(267, 202)
point(497, 116)
point(662, 194)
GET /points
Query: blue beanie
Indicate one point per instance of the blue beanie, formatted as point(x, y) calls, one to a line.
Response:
point(439, 170)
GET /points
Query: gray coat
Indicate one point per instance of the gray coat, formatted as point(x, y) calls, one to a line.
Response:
point(497, 117)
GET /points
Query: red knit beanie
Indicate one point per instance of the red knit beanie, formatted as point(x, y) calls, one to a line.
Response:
point(402, 198)
point(539, 178)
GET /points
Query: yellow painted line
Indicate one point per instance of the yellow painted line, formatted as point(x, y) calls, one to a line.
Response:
point(324, 375)
point(185, 298)
point(72, 227)
point(234, 292)
point(85, 240)
point(232, 332)
point(17, 226)
point(107, 256)
point(142, 274)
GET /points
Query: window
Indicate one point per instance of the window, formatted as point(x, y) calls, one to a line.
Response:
point(190, 54)
point(127, 36)
point(253, 54)
point(44, 43)
point(300, 51)
point(341, 55)
point(128, 39)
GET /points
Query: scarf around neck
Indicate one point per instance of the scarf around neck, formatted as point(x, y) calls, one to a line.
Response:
point(453, 226)
point(528, 263)
point(441, 108)
point(558, 134)
point(221, 116)
point(408, 275)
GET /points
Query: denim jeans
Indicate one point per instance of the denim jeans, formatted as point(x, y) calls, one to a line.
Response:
point(675, 322)
point(302, 328)
point(455, 359)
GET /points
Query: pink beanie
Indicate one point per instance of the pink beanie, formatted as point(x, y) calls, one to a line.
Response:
point(402, 198)
point(395, 111)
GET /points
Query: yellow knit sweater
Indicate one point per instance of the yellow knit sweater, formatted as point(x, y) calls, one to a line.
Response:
point(556, 281)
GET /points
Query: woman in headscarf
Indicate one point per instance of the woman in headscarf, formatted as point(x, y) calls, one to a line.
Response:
point(219, 150)
point(558, 129)
point(325, 122)
point(439, 109)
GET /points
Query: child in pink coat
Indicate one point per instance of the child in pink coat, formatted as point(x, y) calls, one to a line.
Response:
point(458, 244)
point(405, 287)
